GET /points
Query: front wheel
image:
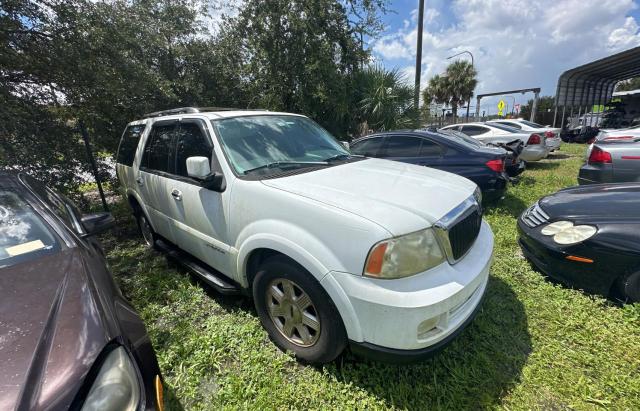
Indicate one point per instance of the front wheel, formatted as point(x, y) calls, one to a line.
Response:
point(297, 313)
point(630, 288)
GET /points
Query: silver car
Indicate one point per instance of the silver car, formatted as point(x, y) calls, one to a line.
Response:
point(611, 162)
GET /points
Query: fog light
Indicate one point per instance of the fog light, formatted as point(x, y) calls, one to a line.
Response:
point(428, 328)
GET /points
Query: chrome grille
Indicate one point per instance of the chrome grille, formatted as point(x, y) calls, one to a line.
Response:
point(458, 230)
point(534, 216)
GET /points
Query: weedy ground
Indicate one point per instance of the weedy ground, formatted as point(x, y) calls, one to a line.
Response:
point(534, 344)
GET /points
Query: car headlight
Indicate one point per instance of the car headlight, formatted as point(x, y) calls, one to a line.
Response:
point(116, 386)
point(565, 232)
point(477, 194)
point(404, 256)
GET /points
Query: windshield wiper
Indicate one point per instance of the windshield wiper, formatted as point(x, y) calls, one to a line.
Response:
point(277, 164)
point(341, 157)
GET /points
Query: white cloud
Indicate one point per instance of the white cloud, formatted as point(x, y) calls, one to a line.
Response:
point(516, 44)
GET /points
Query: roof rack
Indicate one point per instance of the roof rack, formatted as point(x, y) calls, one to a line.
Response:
point(190, 110)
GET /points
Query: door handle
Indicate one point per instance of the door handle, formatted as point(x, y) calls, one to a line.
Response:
point(140, 181)
point(177, 194)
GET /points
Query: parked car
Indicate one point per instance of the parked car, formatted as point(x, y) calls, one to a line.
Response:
point(483, 165)
point(580, 134)
point(611, 162)
point(69, 338)
point(535, 148)
point(514, 165)
point(618, 135)
point(587, 237)
point(552, 135)
point(334, 248)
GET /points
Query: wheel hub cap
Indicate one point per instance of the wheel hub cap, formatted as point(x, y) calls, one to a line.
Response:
point(293, 313)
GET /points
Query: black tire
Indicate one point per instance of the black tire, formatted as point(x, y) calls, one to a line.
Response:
point(149, 236)
point(630, 288)
point(328, 342)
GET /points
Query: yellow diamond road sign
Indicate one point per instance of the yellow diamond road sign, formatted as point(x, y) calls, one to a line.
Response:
point(500, 107)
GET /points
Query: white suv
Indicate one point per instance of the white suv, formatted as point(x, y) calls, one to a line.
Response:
point(335, 249)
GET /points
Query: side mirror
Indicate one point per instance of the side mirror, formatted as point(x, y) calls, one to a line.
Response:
point(97, 223)
point(345, 144)
point(200, 169)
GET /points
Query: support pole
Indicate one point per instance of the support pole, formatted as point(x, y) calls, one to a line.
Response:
point(532, 118)
point(92, 161)
point(416, 95)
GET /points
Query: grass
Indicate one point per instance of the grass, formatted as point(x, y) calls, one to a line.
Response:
point(534, 345)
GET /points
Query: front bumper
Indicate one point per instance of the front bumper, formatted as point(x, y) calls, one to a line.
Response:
point(421, 311)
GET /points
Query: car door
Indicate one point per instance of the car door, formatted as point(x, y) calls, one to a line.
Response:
point(404, 148)
point(199, 215)
point(154, 176)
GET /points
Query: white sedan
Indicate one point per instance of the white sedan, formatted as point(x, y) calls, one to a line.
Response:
point(552, 134)
point(535, 147)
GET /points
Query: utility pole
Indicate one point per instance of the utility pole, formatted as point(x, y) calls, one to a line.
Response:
point(416, 96)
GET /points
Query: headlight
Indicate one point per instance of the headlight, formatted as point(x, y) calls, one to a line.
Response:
point(116, 386)
point(404, 256)
point(565, 233)
point(477, 194)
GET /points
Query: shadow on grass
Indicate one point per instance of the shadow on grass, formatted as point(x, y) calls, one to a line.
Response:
point(542, 165)
point(479, 367)
point(559, 156)
point(509, 204)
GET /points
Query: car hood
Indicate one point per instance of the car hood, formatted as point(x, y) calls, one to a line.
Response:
point(597, 202)
point(400, 197)
point(50, 331)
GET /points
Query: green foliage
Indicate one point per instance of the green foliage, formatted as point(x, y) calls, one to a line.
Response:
point(385, 99)
point(544, 103)
point(454, 87)
point(108, 63)
point(627, 85)
point(534, 345)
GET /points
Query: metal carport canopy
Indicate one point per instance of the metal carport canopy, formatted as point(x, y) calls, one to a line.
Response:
point(593, 83)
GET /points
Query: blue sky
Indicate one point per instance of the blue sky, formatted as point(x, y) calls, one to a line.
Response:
point(516, 44)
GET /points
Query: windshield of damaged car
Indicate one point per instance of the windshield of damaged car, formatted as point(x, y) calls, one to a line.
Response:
point(24, 235)
point(267, 143)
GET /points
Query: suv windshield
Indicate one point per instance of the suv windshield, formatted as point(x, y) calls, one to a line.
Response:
point(266, 142)
point(23, 233)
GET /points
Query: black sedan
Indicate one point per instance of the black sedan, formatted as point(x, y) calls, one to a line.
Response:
point(68, 338)
point(483, 165)
point(587, 237)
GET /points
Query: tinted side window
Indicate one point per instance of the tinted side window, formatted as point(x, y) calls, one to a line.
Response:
point(430, 149)
point(514, 125)
point(59, 204)
point(129, 144)
point(158, 151)
point(403, 146)
point(192, 142)
point(474, 130)
point(367, 147)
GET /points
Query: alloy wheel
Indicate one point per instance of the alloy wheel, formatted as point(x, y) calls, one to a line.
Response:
point(293, 313)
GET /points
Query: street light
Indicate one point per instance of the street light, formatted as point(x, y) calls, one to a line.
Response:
point(456, 55)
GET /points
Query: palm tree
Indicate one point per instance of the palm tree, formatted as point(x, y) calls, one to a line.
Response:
point(454, 87)
point(385, 99)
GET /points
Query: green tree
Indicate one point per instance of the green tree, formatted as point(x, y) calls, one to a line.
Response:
point(545, 103)
point(628, 85)
point(454, 87)
point(385, 99)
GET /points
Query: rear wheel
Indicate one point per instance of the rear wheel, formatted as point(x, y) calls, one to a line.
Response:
point(296, 311)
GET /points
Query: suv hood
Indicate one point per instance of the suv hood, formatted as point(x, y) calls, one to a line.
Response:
point(597, 202)
point(50, 331)
point(400, 197)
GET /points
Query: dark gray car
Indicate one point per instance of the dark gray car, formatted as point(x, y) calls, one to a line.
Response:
point(611, 162)
point(68, 338)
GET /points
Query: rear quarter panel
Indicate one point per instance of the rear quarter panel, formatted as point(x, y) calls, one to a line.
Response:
point(626, 161)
